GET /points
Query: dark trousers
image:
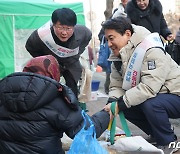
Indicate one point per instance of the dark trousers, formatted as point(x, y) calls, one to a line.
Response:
point(153, 115)
point(70, 82)
point(107, 82)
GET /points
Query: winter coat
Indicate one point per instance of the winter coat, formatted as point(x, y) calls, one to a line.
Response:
point(34, 115)
point(80, 38)
point(152, 18)
point(177, 38)
point(120, 11)
point(164, 78)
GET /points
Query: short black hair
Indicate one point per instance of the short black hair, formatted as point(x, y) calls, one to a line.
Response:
point(119, 24)
point(65, 16)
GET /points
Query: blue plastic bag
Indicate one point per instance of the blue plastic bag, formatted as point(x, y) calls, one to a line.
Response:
point(85, 141)
point(104, 53)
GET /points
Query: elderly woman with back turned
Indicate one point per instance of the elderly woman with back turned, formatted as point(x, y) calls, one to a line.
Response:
point(36, 110)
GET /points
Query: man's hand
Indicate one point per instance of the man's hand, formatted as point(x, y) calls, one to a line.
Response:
point(108, 109)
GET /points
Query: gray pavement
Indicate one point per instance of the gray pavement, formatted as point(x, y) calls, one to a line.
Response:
point(95, 106)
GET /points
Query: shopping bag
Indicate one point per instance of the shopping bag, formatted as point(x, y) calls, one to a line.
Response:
point(129, 143)
point(85, 141)
point(135, 144)
point(113, 124)
point(104, 53)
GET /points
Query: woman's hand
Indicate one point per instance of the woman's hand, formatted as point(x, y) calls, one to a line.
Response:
point(170, 37)
point(108, 109)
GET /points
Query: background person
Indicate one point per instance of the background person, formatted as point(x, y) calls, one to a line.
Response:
point(177, 38)
point(121, 9)
point(65, 40)
point(148, 13)
point(117, 13)
point(148, 94)
point(36, 110)
point(106, 69)
point(173, 48)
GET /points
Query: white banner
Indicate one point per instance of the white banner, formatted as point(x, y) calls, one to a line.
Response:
point(132, 75)
point(45, 35)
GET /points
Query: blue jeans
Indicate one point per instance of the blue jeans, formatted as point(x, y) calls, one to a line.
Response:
point(153, 115)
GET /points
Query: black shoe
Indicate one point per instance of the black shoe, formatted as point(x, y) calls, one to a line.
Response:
point(167, 149)
point(151, 140)
point(171, 147)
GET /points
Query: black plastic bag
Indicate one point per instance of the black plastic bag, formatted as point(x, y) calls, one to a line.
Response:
point(173, 49)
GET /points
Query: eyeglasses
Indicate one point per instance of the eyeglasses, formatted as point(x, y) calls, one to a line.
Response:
point(61, 29)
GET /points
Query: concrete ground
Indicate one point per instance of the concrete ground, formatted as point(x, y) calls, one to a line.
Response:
point(95, 106)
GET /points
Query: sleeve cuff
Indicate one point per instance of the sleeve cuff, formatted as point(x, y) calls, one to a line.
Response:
point(121, 105)
point(111, 99)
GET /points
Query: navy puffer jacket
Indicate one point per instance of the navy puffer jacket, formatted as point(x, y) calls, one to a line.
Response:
point(34, 115)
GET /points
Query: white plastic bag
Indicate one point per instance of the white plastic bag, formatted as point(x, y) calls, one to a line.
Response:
point(134, 143)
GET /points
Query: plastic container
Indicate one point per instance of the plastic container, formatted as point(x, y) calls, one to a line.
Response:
point(95, 85)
